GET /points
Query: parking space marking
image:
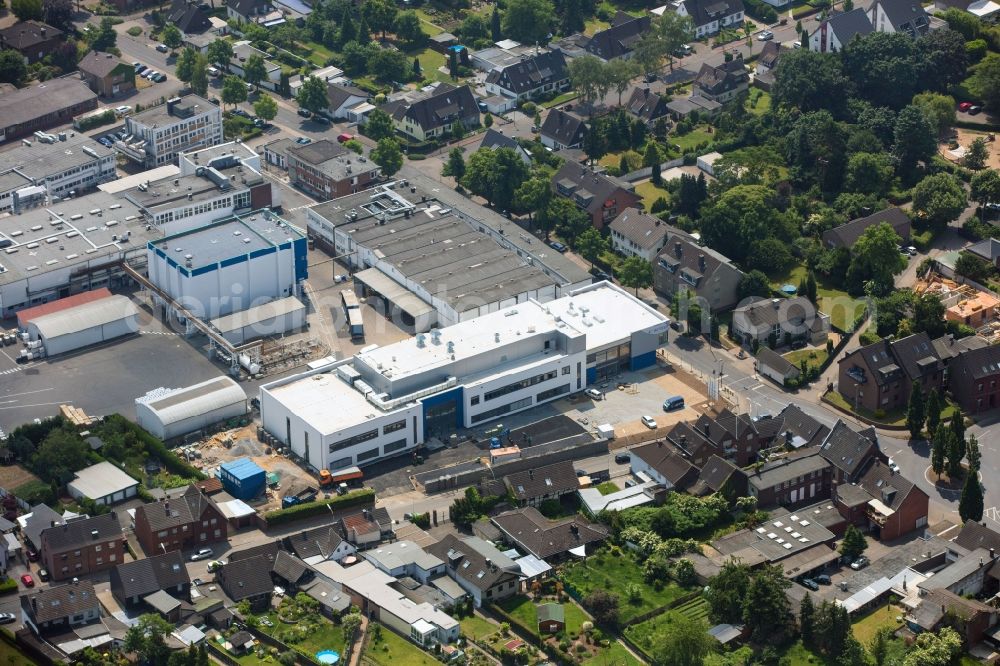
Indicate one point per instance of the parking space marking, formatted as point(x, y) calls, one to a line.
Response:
point(10, 372)
point(993, 513)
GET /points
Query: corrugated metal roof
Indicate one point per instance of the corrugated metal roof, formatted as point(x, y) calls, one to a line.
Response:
point(85, 316)
point(172, 406)
point(256, 315)
point(25, 316)
point(242, 468)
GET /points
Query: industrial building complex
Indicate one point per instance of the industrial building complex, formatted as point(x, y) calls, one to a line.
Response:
point(385, 401)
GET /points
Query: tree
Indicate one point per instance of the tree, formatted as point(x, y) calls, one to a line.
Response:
point(620, 73)
point(12, 67)
point(418, 71)
point(765, 607)
point(312, 95)
point(939, 449)
point(27, 10)
point(496, 33)
point(234, 90)
point(146, 638)
point(603, 605)
point(265, 107)
point(875, 259)
point(972, 454)
point(970, 505)
point(770, 256)
point(59, 454)
point(457, 130)
point(171, 36)
point(869, 173)
point(933, 410)
point(58, 13)
point(528, 21)
point(595, 143)
point(220, 51)
point(532, 196)
point(254, 70)
point(806, 617)
point(350, 624)
point(563, 216)
point(984, 83)
point(811, 81)
point(388, 65)
point(726, 591)
point(878, 647)
point(672, 31)
point(495, 175)
point(745, 213)
point(185, 64)
point(636, 273)
point(812, 291)
point(929, 315)
point(939, 199)
point(407, 27)
point(379, 14)
point(199, 75)
point(938, 109)
point(954, 453)
point(104, 37)
point(854, 543)
point(985, 186)
point(455, 166)
point(588, 76)
point(590, 245)
point(379, 125)
point(754, 283)
point(685, 642)
point(916, 411)
point(883, 67)
point(977, 155)
point(387, 155)
point(942, 59)
point(933, 649)
point(914, 139)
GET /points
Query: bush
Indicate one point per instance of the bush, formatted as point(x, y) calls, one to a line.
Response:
point(135, 31)
point(291, 514)
point(8, 585)
point(90, 122)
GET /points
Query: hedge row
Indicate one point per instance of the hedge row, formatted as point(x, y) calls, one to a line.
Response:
point(293, 513)
point(156, 448)
point(8, 586)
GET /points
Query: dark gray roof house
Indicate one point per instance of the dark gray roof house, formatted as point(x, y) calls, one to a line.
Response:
point(620, 39)
point(797, 428)
point(529, 530)
point(664, 463)
point(706, 12)
point(542, 72)
point(848, 450)
point(41, 518)
point(247, 579)
point(131, 581)
point(906, 16)
point(722, 82)
point(535, 485)
point(988, 250)
point(947, 347)
point(683, 264)
point(319, 541)
point(634, 232)
point(718, 473)
point(598, 194)
point(562, 130)
point(976, 535)
point(436, 112)
point(494, 139)
point(60, 607)
point(189, 17)
point(67, 536)
point(846, 235)
point(476, 571)
point(646, 105)
point(291, 571)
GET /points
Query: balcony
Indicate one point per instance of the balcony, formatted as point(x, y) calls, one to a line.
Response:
point(857, 374)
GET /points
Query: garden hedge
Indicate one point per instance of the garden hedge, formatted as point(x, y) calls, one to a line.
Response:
point(291, 514)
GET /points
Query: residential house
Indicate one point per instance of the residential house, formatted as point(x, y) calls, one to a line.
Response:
point(58, 608)
point(697, 442)
point(837, 31)
point(664, 464)
point(529, 531)
point(766, 64)
point(906, 16)
point(975, 535)
point(646, 105)
point(291, 573)
point(242, 52)
point(404, 558)
point(619, 39)
point(132, 582)
point(880, 375)
point(638, 234)
point(495, 140)
point(949, 348)
point(343, 101)
point(82, 547)
point(32, 39)
point(534, 486)
point(433, 115)
point(189, 17)
point(719, 475)
point(327, 170)
point(795, 428)
point(562, 130)
point(192, 520)
point(362, 529)
point(683, 265)
point(974, 379)
point(971, 618)
point(39, 107)
point(883, 502)
point(248, 580)
point(711, 16)
point(965, 576)
point(682, 107)
point(106, 74)
point(849, 451)
point(775, 322)
point(319, 544)
point(988, 250)
point(984, 10)
point(722, 83)
point(261, 12)
point(600, 196)
point(846, 235)
point(749, 435)
point(775, 367)
point(797, 479)
point(531, 77)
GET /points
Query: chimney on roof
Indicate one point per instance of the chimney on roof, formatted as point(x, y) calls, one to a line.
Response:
point(52, 523)
point(678, 249)
point(992, 553)
point(575, 529)
point(42, 32)
point(166, 507)
point(701, 262)
point(531, 474)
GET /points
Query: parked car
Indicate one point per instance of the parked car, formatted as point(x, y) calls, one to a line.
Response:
point(160, 77)
point(303, 140)
point(964, 106)
point(822, 579)
point(105, 142)
point(860, 563)
point(557, 246)
point(673, 403)
point(893, 466)
point(305, 113)
point(7, 618)
point(322, 120)
point(798, 344)
point(594, 394)
point(482, 107)
point(162, 48)
point(649, 422)
point(150, 74)
point(622, 458)
point(601, 275)
point(32, 555)
point(241, 112)
point(214, 71)
point(123, 109)
point(974, 110)
point(810, 584)
point(344, 138)
point(765, 35)
point(43, 575)
point(676, 325)
point(912, 251)
point(27, 580)
point(197, 582)
point(202, 554)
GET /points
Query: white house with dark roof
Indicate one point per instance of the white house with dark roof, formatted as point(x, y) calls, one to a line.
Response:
point(711, 16)
point(906, 16)
point(838, 30)
point(530, 77)
point(495, 140)
point(638, 234)
point(345, 101)
point(434, 112)
point(618, 41)
point(562, 130)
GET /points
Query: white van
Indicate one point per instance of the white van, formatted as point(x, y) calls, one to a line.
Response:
point(213, 71)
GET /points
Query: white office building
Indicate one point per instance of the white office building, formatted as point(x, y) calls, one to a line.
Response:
point(384, 401)
point(158, 135)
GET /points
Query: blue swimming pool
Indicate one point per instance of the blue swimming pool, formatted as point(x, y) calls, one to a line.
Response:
point(327, 657)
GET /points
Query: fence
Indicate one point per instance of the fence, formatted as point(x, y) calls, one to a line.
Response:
point(221, 655)
point(267, 639)
point(644, 173)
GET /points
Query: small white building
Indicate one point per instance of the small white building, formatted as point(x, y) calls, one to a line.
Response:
point(104, 483)
point(84, 325)
point(169, 413)
point(273, 318)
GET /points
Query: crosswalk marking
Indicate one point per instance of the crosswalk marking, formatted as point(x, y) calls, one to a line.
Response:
point(157, 333)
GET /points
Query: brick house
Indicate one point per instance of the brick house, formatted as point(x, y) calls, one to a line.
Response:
point(971, 618)
point(32, 39)
point(848, 451)
point(974, 379)
point(684, 265)
point(880, 375)
point(327, 170)
point(59, 608)
point(534, 486)
point(600, 196)
point(106, 74)
point(81, 547)
point(789, 481)
point(883, 502)
point(190, 521)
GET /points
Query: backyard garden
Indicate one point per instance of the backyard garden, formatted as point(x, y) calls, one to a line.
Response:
point(298, 624)
point(386, 648)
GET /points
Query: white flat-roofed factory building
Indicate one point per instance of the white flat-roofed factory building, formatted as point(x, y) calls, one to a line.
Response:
point(169, 413)
point(384, 401)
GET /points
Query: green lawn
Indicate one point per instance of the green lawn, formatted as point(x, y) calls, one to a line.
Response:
point(814, 357)
point(688, 141)
point(897, 417)
point(430, 27)
point(393, 650)
point(884, 616)
point(607, 572)
point(616, 655)
point(559, 99)
point(594, 25)
point(607, 488)
point(430, 61)
point(526, 610)
point(308, 636)
point(645, 633)
point(319, 54)
point(843, 309)
point(476, 627)
point(799, 655)
point(759, 103)
point(650, 193)
point(12, 656)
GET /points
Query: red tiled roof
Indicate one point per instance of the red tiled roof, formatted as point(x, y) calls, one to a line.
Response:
point(24, 316)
